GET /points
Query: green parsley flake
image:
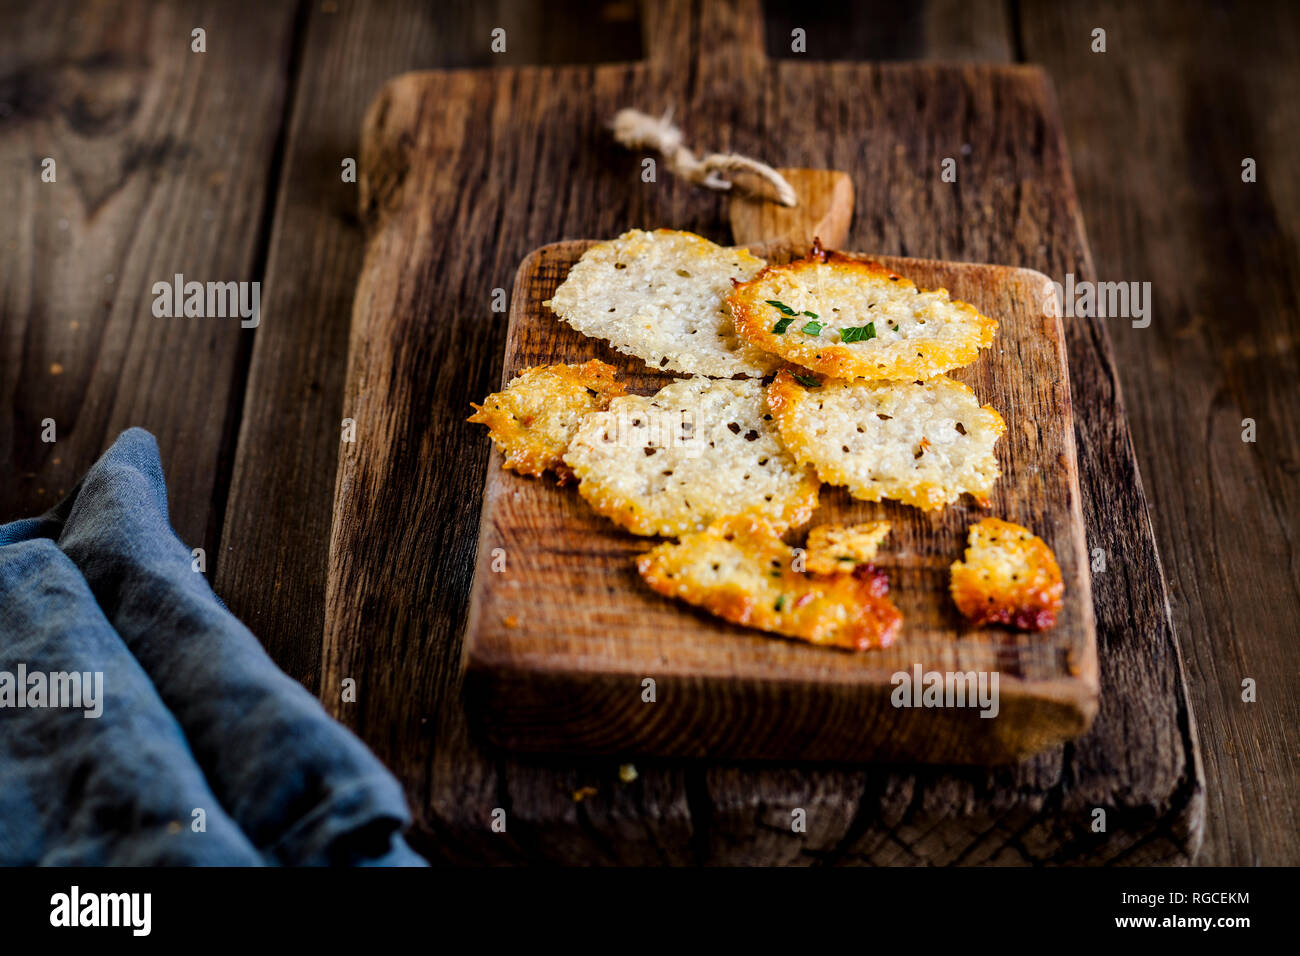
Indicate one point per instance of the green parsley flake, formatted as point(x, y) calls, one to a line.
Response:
point(780, 602)
point(807, 381)
point(811, 315)
point(858, 333)
point(813, 328)
point(781, 307)
point(782, 325)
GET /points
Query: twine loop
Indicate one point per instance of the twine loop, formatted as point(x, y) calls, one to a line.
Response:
point(637, 130)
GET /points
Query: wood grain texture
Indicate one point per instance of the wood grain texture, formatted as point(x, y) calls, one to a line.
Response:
point(1161, 123)
point(560, 641)
point(778, 233)
point(287, 454)
point(942, 30)
point(162, 162)
point(521, 155)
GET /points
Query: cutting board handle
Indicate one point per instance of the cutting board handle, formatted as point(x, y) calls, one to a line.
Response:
point(719, 45)
point(728, 34)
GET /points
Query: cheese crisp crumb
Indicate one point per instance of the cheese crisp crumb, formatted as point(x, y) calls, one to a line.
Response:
point(835, 548)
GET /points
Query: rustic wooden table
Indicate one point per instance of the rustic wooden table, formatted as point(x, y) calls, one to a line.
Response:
point(226, 165)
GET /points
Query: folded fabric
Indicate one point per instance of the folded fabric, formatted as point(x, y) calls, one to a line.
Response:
point(301, 789)
point(108, 780)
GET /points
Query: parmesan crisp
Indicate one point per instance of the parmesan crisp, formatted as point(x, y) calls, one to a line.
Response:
point(921, 443)
point(699, 450)
point(660, 296)
point(852, 318)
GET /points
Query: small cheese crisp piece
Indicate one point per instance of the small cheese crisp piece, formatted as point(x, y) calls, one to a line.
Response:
point(852, 318)
point(834, 548)
point(740, 570)
point(661, 297)
point(534, 418)
point(699, 450)
point(921, 443)
point(1009, 576)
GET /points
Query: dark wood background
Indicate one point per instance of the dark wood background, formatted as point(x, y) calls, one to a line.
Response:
point(226, 166)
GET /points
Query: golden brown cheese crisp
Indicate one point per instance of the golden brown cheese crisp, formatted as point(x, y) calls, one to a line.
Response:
point(921, 443)
point(852, 318)
point(741, 570)
point(831, 549)
point(1009, 576)
point(661, 296)
point(534, 418)
point(699, 450)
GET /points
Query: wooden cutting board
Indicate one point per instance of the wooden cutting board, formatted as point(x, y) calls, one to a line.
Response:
point(463, 173)
point(563, 633)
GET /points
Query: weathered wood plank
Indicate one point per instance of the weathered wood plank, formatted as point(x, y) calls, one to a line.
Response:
point(279, 510)
point(946, 30)
point(1160, 124)
point(162, 163)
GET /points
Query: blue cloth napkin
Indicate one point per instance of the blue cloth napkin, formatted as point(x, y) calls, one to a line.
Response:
point(194, 715)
